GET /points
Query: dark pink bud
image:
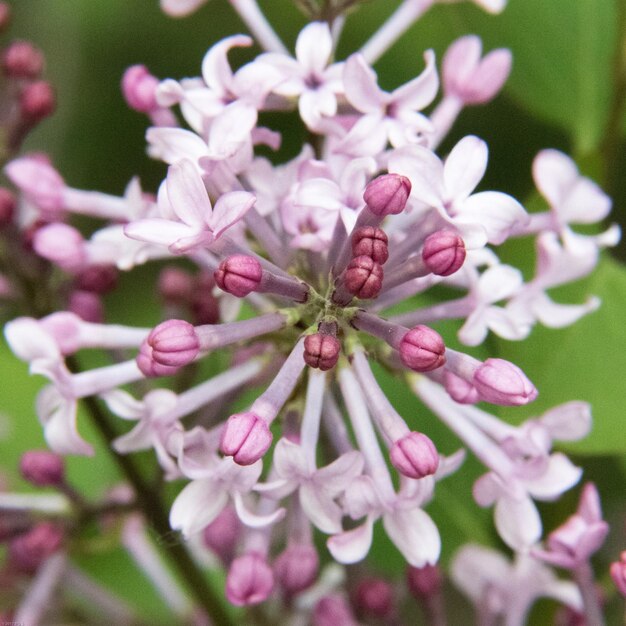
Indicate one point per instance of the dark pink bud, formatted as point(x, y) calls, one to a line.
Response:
point(424, 582)
point(296, 568)
point(5, 15)
point(250, 580)
point(364, 277)
point(175, 285)
point(169, 346)
point(374, 597)
point(37, 101)
point(98, 279)
point(7, 206)
point(222, 533)
point(239, 275)
point(87, 305)
point(246, 437)
point(387, 194)
point(332, 611)
point(42, 468)
point(321, 351)
point(372, 242)
point(618, 574)
point(422, 349)
point(443, 252)
point(415, 455)
point(459, 389)
point(139, 89)
point(28, 551)
point(500, 382)
point(22, 60)
point(62, 245)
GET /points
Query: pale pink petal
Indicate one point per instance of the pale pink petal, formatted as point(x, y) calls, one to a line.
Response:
point(28, 340)
point(314, 47)
point(253, 520)
point(319, 193)
point(231, 128)
point(197, 505)
point(555, 315)
point(414, 533)
point(173, 144)
point(425, 171)
point(337, 476)
point(361, 86)
point(568, 422)
point(158, 231)
point(188, 195)
point(498, 283)
point(498, 213)
point(229, 209)
point(459, 63)
point(123, 404)
point(215, 66)
point(418, 93)
point(465, 167)
point(560, 475)
point(180, 8)
point(555, 175)
point(492, 6)
point(518, 522)
point(586, 203)
point(353, 545)
point(289, 460)
point(368, 137)
point(313, 105)
point(139, 438)
point(490, 76)
point(320, 509)
point(487, 489)
point(474, 568)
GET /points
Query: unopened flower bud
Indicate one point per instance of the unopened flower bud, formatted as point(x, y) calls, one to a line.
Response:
point(38, 180)
point(250, 580)
point(98, 279)
point(37, 101)
point(333, 610)
point(246, 437)
point(443, 252)
point(618, 574)
point(459, 389)
point(42, 468)
point(22, 60)
point(62, 245)
point(169, 346)
point(175, 285)
point(387, 194)
point(372, 242)
point(87, 305)
point(28, 551)
point(374, 597)
point(424, 582)
point(222, 533)
point(139, 89)
point(321, 351)
point(7, 207)
point(414, 455)
point(296, 568)
point(422, 349)
point(500, 382)
point(239, 275)
point(364, 277)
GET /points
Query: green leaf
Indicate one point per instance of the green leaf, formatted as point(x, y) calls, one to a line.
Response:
point(586, 361)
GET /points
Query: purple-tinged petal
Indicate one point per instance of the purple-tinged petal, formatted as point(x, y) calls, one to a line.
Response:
point(560, 475)
point(188, 195)
point(465, 167)
point(289, 460)
point(320, 509)
point(158, 231)
point(174, 144)
point(123, 404)
point(361, 86)
point(314, 47)
point(180, 8)
point(229, 209)
point(498, 214)
point(313, 105)
point(337, 476)
point(418, 93)
point(215, 66)
point(586, 203)
point(231, 128)
point(28, 340)
point(252, 520)
point(555, 174)
point(414, 533)
point(568, 422)
point(474, 568)
point(518, 522)
point(555, 315)
point(353, 545)
point(425, 171)
point(197, 505)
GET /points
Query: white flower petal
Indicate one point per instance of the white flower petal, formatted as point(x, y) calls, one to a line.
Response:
point(353, 545)
point(414, 533)
point(517, 522)
point(197, 505)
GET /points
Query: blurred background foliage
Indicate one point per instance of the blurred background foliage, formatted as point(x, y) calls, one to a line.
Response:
point(567, 90)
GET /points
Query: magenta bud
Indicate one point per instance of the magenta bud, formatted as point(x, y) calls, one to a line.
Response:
point(250, 580)
point(175, 285)
point(28, 551)
point(443, 252)
point(459, 389)
point(7, 206)
point(37, 101)
point(222, 533)
point(87, 305)
point(22, 60)
point(387, 194)
point(500, 382)
point(333, 610)
point(139, 89)
point(618, 574)
point(422, 349)
point(239, 275)
point(296, 568)
point(414, 455)
point(99, 279)
point(169, 346)
point(374, 597)
point(42, 468)
point(321, 351)
point(246, 437)
point(372, 242)
point(364, 277)
point(38, 180)
point(62, 245)
point(424, 582)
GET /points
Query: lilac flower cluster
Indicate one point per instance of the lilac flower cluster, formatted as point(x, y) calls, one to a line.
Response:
point(300, 266)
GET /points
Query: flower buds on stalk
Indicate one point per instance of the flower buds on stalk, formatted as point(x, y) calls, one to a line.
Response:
point(422, 349)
